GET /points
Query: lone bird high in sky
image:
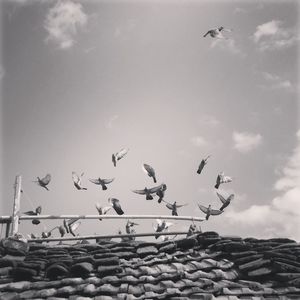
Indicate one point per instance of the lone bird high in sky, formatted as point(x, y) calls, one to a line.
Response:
point(217, 32)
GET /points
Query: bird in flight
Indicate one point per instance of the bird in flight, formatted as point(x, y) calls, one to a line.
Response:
point(217, 32)
point(161, 226)
point(129, 229)
point(173, 207)
point(70, 225)
point(161, 192)
point(44, 181)
point(225, 201)
point(209, 211)
point(77, 181)
point(150, 191)
point(221, 178)
point(202, 164)
point(102, 182)
point(102, 210)
point(115, 203)
point(36, 212)
point(150, 171)
point(117, 156)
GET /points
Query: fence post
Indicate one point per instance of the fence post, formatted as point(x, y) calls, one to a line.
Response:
point(16, 207)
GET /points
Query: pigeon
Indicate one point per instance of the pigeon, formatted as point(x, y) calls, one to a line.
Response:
point(150, 171)
point(226, 201)
point(150, 191)
point(102, 210)
point(192, 230)
point(46, 234)
point(67, 224)
point(173, 207)
point(221, 178)
point(162, 226)
point(36, 212)
point(161, 192)
point(73, 227)
point(44, 181)
point(130, 230)
point(32, 236)
point(62, 230)
point(217, 32)
point(117, 156)
point(77, 181)
point(116, 205)
point(202, 164)
point(102, 182)
point(209, 211)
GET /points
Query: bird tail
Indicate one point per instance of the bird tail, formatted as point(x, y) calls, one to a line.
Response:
point(217, 185)
point(149, 197)
point(207, 217)
point(199, 171)
point(84, 189)
point(159, 200)
point(154, 179)
point(46, 188)
point(104, 187)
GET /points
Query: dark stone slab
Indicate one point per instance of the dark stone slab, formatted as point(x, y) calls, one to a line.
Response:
point(20, 273)
point(14, 246)
point(109, 270)
point(56, 270)
point(111, 261)
point(82, 269)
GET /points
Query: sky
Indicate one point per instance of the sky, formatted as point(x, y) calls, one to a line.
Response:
point(81, 80)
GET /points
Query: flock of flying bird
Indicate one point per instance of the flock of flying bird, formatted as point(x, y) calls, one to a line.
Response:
point(69, 226)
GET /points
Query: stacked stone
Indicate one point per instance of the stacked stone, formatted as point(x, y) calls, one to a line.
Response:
point(204, 266)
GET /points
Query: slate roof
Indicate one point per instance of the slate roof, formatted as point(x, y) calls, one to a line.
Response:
point(204, 266)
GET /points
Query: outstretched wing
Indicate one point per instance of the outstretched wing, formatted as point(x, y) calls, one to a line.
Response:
point(38, 210)
point(95, 181)
point(122, 153)
point(149, 169)
point(105, 209)
point(30, 213)
point(98, 207)
point(208, 32)
point(203, 208)
point(107, 181)
point(223, 200)
point(75, 177)
point(181, 205)
point(226, 179)
point(169, 206)
point(215, 212)
point(230, 197)
point(155, 189)
point(140, 192)
point(46, 179)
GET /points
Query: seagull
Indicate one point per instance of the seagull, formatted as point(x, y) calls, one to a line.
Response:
point(161, 192)
point(202, 164)
point(217, 32)
point(221, 178)
point(150, 191)
point(77, 181)
point(162, 226)
point(36, 212)
point(150, 171)
point(226, 201)
point(102, 210)
point(44, 181)
point(116, 205)
point(209, 211)
point(117, 156)
point(173, 207)
point(102, 182)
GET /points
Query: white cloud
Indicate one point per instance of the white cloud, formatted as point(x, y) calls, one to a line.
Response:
point(245, 142)
point(62, 23)
point(282, 216)
point(228, 45)
point(273, 36)
point(199, 141)
point(275, 82)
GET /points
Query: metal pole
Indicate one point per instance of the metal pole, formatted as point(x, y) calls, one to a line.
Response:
point(167, 217)
point(16, 207)
point(90, 237)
